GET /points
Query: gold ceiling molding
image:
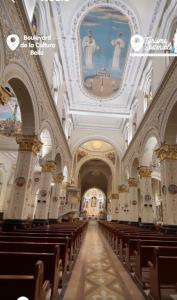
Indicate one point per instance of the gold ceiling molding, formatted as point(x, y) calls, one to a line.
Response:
point(5, 95)
point(58, 178)
point(123, 188)
point(144, 171)
point(167, 151)
point(29, 143)
point(49, 166)
point(132, 182)
point(81, 154)
point(111, 156)
point(97, 146)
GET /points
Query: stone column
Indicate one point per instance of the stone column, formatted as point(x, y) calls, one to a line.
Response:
point(147, 205)
point(29, 146)
point(44, 196)
point(124, 209)
point(55, 199)
point(168, 160)
point(114, 206)
point(133, 199)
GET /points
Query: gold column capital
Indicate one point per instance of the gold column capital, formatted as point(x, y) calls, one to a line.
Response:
point(58, 178)
point(167, 151)
point(5, 95)
point(49, 166)
point(29, 143)
point(123, 188)
point(144, 171)
point(132, 182)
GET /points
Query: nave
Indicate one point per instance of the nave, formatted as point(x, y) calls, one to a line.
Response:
point(88, 133)
point(98, 274)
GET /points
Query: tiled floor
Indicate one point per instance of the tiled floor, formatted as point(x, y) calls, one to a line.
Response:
point(98, 274)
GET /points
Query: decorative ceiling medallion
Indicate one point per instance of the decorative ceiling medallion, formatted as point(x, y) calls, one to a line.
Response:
point(20, 181)
point(43, 193)
point(104, 41)
point(172, 189)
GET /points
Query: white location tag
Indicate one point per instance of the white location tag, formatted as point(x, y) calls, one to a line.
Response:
point(13, 41)
point(137, 42)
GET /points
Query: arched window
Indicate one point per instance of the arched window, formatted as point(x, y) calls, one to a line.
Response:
point(34, 25)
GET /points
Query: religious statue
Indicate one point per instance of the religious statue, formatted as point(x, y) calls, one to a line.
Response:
point(119, 44)
point(89, 47)
point(93, 201)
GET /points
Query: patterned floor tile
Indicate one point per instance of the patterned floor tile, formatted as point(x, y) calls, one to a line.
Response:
point(99, 279)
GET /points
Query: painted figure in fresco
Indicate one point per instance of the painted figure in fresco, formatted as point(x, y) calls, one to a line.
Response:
point(119, 44)
point(89, 47)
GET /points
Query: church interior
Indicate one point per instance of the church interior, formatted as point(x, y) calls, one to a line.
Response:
point(88, 149)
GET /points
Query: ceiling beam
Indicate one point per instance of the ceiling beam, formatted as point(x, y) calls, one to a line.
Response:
point(99, 114)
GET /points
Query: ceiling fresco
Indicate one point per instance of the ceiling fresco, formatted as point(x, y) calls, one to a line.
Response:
point(97, 145)
point(104, 42)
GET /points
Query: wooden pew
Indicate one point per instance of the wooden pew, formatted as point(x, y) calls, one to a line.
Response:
point(22, 263)
point(72, 246)
point(132, 245)
point(62, 242)
point(162, 274)
point(31, 286)
point(145, 253)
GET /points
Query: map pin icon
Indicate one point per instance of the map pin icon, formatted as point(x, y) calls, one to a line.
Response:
point(13, 41)
point(137, 42)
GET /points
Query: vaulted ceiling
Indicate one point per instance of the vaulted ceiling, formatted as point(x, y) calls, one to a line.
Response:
point(101, 76)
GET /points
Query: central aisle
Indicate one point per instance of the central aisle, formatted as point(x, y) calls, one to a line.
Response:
point(98, 274)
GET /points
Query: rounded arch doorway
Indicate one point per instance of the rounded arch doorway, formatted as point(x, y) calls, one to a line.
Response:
point(93, 203)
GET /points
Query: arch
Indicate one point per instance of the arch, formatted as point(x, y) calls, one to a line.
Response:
point(57, 77)
point(46, 150)
point(86, 159)
point(42, 16)
point(134, 168)
point(169, 110)
point(148, 150)
point(152, 132)
point(88, 138)
point(16, 76)
point(59, 151)
point(93, 201)
point(95, 173)
point(168, 21)
point(58, 161)
point(65, 173)
point(46, 126)
point(170, 135)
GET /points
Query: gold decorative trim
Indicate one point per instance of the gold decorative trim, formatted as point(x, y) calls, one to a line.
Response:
point(144, 171)
point(58, 178)
point(5, 95)
point(49, 166)
point(29, 143)
point(132, 182)
point(167, 151)
point(123, 188)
